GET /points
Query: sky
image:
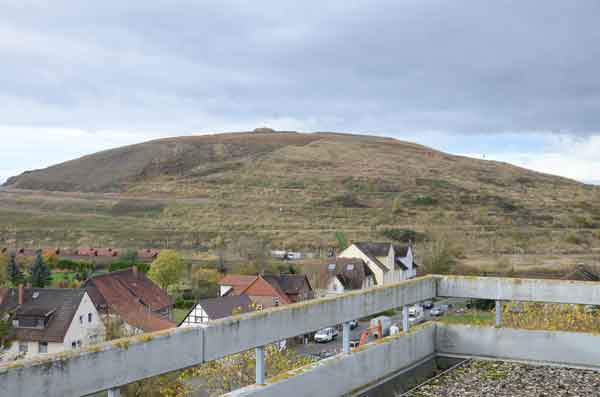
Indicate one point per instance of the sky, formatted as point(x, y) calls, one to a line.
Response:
point(514, 81)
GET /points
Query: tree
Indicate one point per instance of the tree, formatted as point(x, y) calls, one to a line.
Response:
point(4, 279)
point(396, 206)
point(51, 259)
point(14, 273)
point(129, 256)
point(6, 332)
point(342, 241)
point(219, 245)
point(40, 273)
point(167, 269)
point(441, 253)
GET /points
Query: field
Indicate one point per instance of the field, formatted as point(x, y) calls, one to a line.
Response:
point(295, 191)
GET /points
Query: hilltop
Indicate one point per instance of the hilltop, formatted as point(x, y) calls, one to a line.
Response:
point(296, 189)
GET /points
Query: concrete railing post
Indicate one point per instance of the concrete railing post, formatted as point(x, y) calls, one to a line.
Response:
point(498, 313)
point(116, 392)
point(405, 319)
point(260, 365)
point(346, 338)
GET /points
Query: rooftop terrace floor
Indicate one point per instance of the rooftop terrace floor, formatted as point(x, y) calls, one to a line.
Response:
point(493, 378)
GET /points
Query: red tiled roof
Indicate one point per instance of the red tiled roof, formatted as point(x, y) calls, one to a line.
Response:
point(259, 286)
point(133, 298)
point(262, 287)
point(238, 282)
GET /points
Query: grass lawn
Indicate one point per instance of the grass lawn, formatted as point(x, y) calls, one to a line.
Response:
point(470, 317)
point(180, 314)
point(57, 277)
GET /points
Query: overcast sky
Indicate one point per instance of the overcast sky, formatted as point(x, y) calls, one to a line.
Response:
point(516, 81)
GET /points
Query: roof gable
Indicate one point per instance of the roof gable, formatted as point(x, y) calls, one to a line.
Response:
point(261, 287)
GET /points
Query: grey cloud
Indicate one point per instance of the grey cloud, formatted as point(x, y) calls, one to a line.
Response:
point(386, 66)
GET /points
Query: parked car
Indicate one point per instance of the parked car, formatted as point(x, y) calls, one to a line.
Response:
point(428, 305)
point(414, 310)
point(353, 324)
point(354, 343)
point(386, 322)
point(418, 319)
point(326, 335)
point(436, 312)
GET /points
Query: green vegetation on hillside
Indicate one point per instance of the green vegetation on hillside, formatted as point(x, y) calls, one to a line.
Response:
point(295, 191)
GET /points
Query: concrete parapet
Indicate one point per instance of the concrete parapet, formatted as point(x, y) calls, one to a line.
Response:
point(519, 289)
point(343, 373)
point(104, 366)
point(571, 349)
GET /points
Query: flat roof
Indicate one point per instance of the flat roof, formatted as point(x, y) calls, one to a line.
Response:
point(499, 378)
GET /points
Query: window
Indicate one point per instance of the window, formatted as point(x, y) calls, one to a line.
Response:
point(73, 345)
point(23, 347)
point(89, 317)
point(79, 343)
point(80, 319)
point(276, 301)
point(42, 347)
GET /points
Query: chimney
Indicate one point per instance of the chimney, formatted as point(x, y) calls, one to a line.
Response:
point(135, 271)
point(21, 295)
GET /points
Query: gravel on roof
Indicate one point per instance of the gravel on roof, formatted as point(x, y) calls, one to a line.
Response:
point(493, 378)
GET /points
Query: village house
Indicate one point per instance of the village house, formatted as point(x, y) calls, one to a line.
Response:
point(389, 263)
point(215, 308)
point(50, 320)
point(131, 297)
point(268, 290)
point(339, 275)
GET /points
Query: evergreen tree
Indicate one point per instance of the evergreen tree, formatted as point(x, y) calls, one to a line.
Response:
point(15, 275)
point(40, 273)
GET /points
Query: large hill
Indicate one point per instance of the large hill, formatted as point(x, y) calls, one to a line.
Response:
point(295, 189)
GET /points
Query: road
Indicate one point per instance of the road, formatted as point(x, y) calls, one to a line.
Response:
point(335, 346)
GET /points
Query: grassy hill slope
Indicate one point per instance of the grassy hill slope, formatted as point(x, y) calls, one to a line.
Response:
point(295, 190)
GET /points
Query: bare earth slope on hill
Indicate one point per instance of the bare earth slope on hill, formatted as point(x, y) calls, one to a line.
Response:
point(295, 190)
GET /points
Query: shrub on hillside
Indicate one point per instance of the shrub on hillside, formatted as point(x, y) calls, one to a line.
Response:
point(576, 239)
point(76, 266)
point(403, 235)
point(121, 265)
point(584, 222)
point(425, 200)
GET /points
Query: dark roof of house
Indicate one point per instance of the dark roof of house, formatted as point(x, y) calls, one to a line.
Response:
point(59, 305)
point(133, 297)
point(290, 284)
point(224, 306)
point(375, 250)
point(321, 272)
point(382, 249)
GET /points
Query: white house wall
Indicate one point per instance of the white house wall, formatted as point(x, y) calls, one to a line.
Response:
point(197, 312)
point(334, 286)
point(85, 331)
point(353, 252)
